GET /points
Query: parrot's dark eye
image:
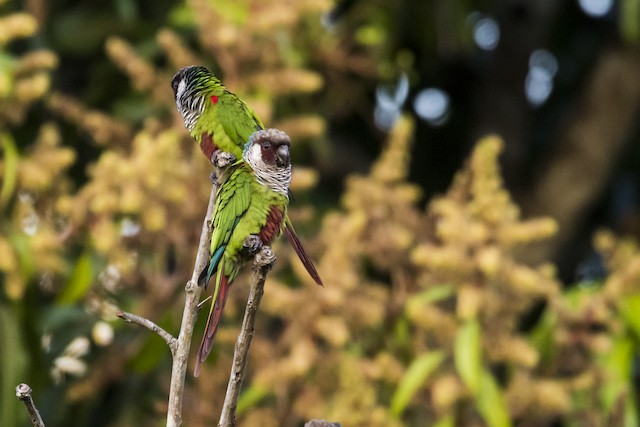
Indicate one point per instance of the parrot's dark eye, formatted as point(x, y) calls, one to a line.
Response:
point(266, 145)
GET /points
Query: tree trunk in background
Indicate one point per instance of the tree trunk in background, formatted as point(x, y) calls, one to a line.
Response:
point(579, 168)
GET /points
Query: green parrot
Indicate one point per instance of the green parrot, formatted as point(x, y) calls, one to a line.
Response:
point(214, 117)
point(252, 201)
point(219, 120)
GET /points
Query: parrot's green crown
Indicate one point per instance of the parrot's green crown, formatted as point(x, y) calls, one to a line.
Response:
point(267, 152)
point(191, 85)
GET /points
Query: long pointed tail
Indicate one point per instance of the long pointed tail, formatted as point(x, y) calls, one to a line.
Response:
point(293, 239)
point(215, 314)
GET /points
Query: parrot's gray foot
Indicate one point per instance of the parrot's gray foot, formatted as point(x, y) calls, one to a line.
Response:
point(265, 258)
point(252, 244)
point(222, 159)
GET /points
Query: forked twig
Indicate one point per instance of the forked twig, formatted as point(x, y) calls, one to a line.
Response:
point(171, 341)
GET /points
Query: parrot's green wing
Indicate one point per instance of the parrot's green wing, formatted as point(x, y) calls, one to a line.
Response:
point(237, 119)
point(232, 205)
point(233, 200)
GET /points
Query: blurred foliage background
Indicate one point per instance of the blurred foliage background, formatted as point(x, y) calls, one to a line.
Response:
point(466, 176)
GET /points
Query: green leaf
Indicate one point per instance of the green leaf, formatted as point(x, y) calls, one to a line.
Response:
point(491, 403)
point(79, 282)
point(630, 20)
point(468, 355)
point(413, 379)
point(542, 336)
point(371, 35)
point(446, 421)
point(431, 295)
point(251, 397)
point(235, 11)
point(21, 245)
point(631, 418)
point(182, 16)
point(630, 309)
point(9, 169)
point(416, 303)
point(13, 358)
point(402, 333)
point(617, 365)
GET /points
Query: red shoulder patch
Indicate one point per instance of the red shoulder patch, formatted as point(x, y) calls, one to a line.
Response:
point(214, 99)
point(272, 227)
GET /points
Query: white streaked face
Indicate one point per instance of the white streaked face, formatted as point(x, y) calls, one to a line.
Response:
point(182, 86)
point(268, 156)
point(189, 105)
point(254, 155)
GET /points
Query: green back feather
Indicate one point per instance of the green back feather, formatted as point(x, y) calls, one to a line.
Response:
point(229, 121)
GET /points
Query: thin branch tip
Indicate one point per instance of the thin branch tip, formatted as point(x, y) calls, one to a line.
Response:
point(23, 392)
point(146, 323)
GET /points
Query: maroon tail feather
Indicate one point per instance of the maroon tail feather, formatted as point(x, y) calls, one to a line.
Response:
point(212, 324)
point(292, 237)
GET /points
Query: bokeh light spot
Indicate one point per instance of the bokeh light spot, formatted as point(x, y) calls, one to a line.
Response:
point(486, 33)
point(129, 227)
point(538, 86)
point(596, 8)
point(432, 105)
point(545, 60)
point(389, 105)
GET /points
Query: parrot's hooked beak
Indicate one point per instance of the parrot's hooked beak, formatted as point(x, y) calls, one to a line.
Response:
point(283, 159)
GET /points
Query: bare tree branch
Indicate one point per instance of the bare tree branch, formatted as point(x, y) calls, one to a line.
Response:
point(262, 264)
point(171, 341)
point(23, 392)
point(189, 316)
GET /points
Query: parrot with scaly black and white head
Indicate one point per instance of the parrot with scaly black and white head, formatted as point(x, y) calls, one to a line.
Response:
point(216, 118)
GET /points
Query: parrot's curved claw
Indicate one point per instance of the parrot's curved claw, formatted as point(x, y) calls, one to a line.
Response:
point(222, 159)
point(252, 244)
point(213, 177)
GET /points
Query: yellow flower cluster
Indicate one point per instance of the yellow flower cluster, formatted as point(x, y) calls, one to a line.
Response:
point(34, 229)
point(23, 79)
